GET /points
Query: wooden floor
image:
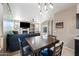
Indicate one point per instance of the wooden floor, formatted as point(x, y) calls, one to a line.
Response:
point(65, 52)
point(9, 53)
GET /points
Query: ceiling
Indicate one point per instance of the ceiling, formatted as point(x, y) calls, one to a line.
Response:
point(29, 11)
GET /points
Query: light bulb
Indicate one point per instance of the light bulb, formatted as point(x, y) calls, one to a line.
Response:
point(39, 5)
point(40, 12)
point(46, 11)
point(45, 7)
point(51, 5)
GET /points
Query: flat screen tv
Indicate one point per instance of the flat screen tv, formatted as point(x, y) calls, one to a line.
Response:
point(24, 25)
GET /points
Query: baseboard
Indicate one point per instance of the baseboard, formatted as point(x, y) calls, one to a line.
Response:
point(69, 49)
point(0, 49)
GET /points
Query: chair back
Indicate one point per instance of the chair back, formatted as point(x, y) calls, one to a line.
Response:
point(21, 47)
point(25, 50)
point(51, 37)
point(58, 50)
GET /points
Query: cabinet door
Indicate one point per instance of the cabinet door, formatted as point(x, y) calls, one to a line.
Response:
point(76, 47)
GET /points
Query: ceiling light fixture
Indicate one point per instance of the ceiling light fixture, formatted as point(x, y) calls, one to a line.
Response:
point(39, 5)
point(40, 12)
point(51, 5)
point(45, 7)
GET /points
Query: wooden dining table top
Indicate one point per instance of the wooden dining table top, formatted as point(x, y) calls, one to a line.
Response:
point(39, 42)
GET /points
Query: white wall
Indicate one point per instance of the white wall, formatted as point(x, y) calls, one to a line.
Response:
point(77, 8)
point(68, 33)
point(1, 16)
point(1, 26)
point(77, 30)
point(6, 16)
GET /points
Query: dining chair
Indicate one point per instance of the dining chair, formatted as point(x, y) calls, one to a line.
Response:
point(52, 37)
point(53, 51)
point(45, 52)
point(24, 50)
point(57, 51)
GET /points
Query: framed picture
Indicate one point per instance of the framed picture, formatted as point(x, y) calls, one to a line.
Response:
point(59, 25)
point(45, 29)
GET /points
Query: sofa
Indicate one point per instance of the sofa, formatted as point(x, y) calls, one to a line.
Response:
point(13, 43)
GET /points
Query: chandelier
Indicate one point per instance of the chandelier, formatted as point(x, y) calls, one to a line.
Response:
point(45, 7)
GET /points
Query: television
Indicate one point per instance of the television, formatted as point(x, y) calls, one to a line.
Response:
point(24, 25)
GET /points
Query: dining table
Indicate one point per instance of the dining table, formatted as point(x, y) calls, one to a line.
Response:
point(38, 43)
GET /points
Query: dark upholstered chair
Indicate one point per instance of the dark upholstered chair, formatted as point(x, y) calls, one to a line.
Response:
point(54, 51)
point(58, 49)
point(45, 52)
point(12, 43)
point(25, 50)
point(52, 37)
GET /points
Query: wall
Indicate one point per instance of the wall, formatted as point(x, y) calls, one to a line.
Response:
point(1, 16)
point(7, 15)
point(77, 8)
point(49, 24)
point(68, 33)
point(50, 28)
point(45, 23)
point(37, 27)
point(77, 12)
point(1, 26)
